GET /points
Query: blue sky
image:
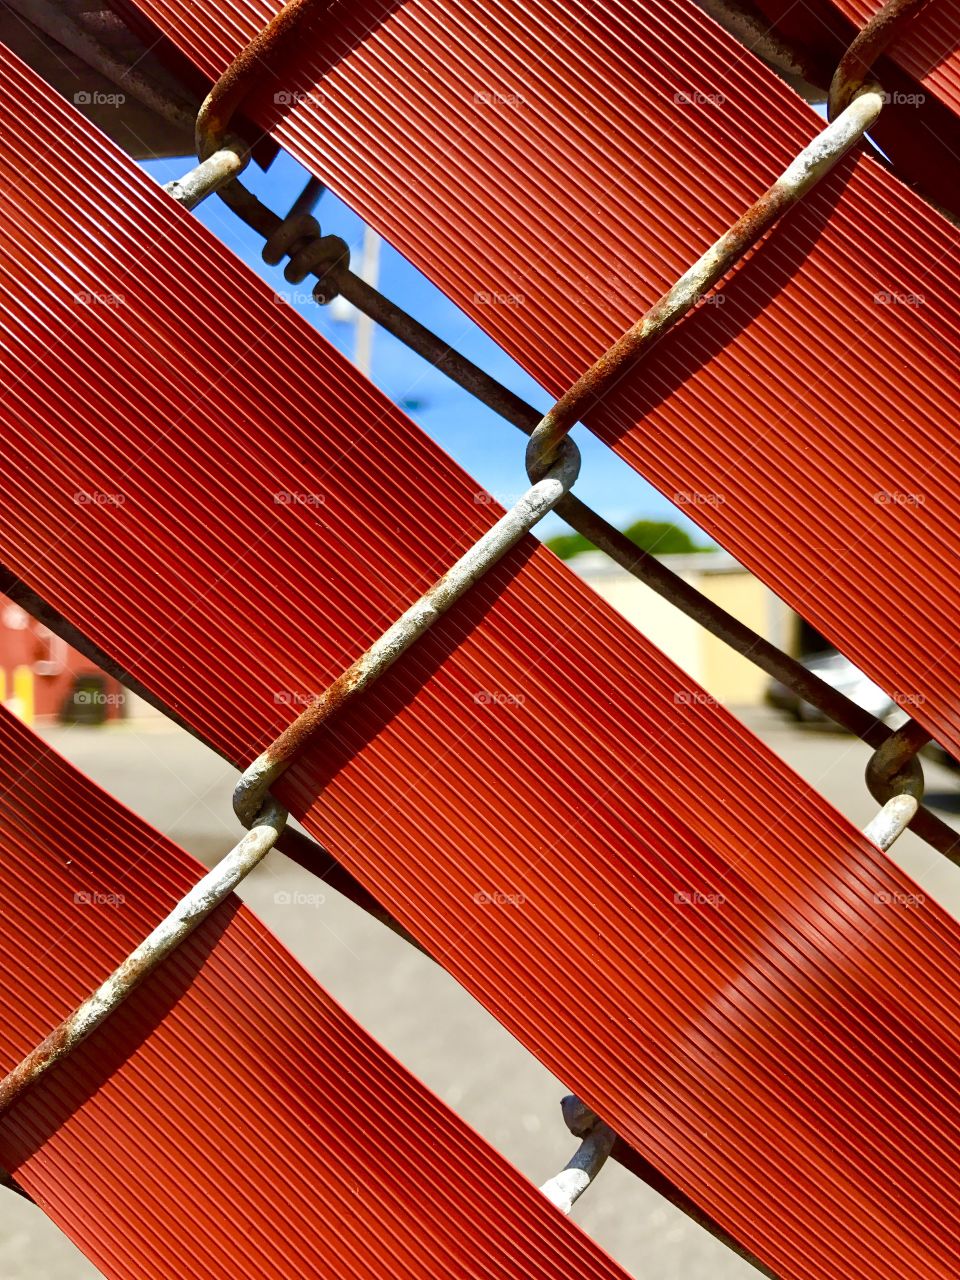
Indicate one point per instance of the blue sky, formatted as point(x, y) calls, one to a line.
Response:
point(490, 449)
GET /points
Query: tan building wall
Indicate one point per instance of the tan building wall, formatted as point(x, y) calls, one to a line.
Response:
point(723, 673)
point(726, 674)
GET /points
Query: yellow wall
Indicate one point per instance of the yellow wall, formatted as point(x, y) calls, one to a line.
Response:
point(726, 674)
point(723, 673)
point(654, 617)
point(20, 700)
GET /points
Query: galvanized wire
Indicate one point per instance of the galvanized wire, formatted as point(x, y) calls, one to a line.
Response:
point(546, 491)
point(205, 896)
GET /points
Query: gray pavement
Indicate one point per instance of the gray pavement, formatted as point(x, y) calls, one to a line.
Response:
point(415, 1009)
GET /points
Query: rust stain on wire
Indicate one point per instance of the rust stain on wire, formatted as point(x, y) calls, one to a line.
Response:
point(274, 43)
point(205, 896)
point(252, 790)
point(640, 564)
point(279, 232)
point(803, 173)
point(597, 1141)
point(871, 42)
point(546, 458)
point(894, 769)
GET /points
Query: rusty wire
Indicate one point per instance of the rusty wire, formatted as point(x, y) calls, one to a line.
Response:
point(579, 1119)
point(547, 436)
point(205, 896)
point(327, 257)
point(553, 463)
point(54, 21)
point(874, 38)
point(282, 37)
point(338, 279)
point(597, 1141)
point(642, 564)
point(252, 791)
point(800, 176)
point(894, 773)
point(295, 844)
point(216, 171)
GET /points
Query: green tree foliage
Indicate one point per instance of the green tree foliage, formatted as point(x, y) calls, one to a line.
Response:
point(660, 537)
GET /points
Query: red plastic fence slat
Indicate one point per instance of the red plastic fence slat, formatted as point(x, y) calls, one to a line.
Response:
point(230, 1119)
point(806, 423)
point(689, 936)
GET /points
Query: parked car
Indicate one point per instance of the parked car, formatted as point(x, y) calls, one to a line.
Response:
point(841, 674)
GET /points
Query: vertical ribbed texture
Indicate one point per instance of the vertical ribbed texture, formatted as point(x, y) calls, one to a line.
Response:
point(230, 1120)
point(554, 166)
point(679, 928)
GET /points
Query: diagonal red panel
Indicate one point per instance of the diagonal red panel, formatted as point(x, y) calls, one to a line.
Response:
point(688, 935)
point(230, 1119)
point(807, 423)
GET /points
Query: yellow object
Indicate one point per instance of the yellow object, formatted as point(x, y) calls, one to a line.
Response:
point(22, 701)
point(723, 674)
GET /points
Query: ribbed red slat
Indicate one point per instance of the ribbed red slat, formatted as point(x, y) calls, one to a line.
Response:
point(230, 1119)
point(571, 160)
point(683, 931)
